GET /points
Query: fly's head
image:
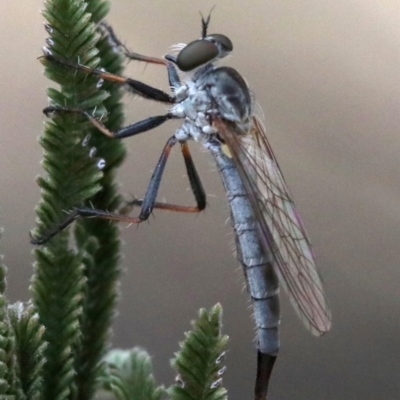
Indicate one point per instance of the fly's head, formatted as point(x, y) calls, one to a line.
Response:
point(202, 51)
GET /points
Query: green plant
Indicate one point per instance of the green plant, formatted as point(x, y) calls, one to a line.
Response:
point(55, 347)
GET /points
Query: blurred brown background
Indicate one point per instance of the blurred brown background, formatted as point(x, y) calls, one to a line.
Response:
point(326, 74)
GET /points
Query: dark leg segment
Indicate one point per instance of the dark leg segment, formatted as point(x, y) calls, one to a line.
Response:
point(148, 92)
point(140, 88)
point(82, 212)
point(195, 185)
point(149, 200)
point(142, 126)
point(152, 190)
point(130, 130)
point(173, 77)
point(194, 179)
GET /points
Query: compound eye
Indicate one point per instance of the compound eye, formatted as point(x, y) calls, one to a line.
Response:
point(222, 39)
point(195, 54)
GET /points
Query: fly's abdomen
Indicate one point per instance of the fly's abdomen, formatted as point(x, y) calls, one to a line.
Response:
point(261, 280)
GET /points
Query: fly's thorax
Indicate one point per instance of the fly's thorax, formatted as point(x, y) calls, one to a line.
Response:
point(189, 130)
point(229, 94)
point(218, 92)
point(181, 93)
point(194, 104)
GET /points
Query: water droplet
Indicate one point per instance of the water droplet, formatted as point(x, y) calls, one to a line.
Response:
point(85, 141)
point(216, 383)
point(179, 381)
point(50, 42)
point(48, 28)
point(221, 371)
point(114, 47)
point(99, 83)
point(220, 358)
point(101, 163)
point(92, 152)
point(47, 51)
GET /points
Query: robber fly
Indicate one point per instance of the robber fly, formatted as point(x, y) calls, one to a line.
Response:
point(217, 110)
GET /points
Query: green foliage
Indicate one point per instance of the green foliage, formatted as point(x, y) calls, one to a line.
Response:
point(199, 363)
point(98, 240)
point(128, 374)
point(29, 348)
point(57, 292)
point(4, 338)
point(53, 348)
point(9, 382)
point(75, 291)
point(21, 349)
point(72, 175)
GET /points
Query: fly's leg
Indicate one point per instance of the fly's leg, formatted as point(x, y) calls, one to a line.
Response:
point(130, 130)
point(149, 200)
point(173, 76)
point(139, 88)
point(116, 43)
point(81, 212)
point(148, 203)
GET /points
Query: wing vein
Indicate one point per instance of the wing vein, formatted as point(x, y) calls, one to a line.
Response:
point(280, 227)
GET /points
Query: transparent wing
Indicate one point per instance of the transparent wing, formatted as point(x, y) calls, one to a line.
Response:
point(279, 224)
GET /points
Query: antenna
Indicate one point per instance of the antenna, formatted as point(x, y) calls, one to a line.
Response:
point(204, 23)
